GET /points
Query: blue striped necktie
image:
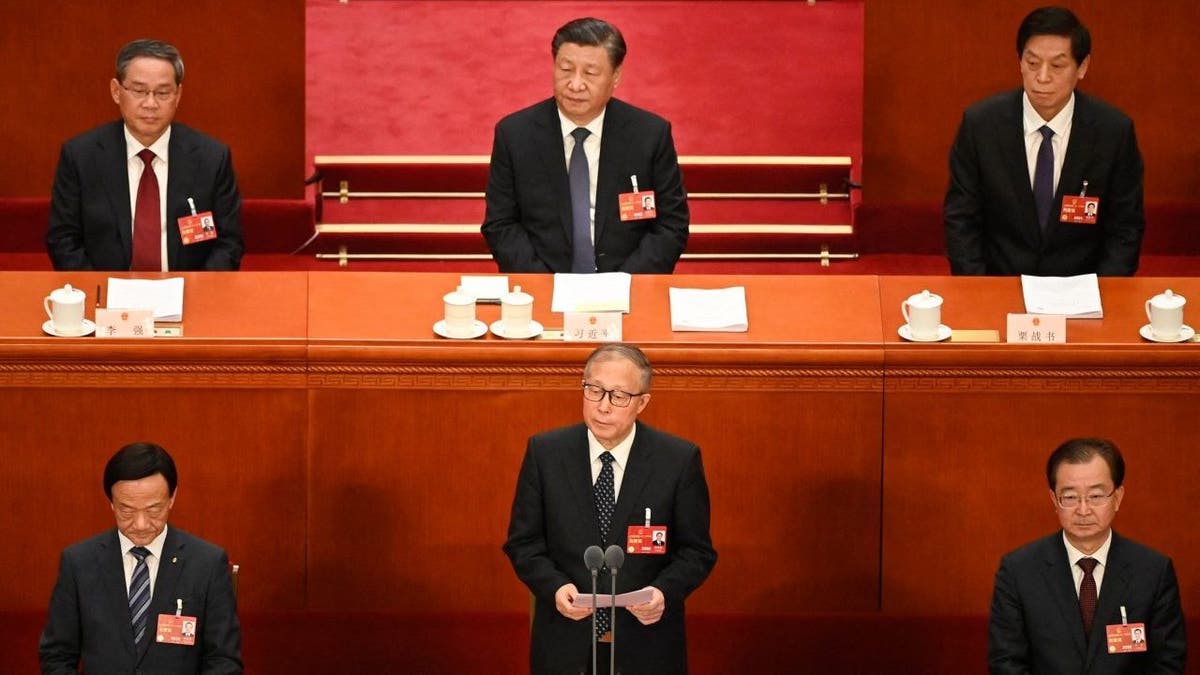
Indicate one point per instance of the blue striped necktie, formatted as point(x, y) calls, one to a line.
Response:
point(139, 594)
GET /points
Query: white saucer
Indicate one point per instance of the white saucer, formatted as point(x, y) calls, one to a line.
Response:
point(1185, 333)
point(478, 329)
point(535, 329)
point(942, 334)
point(86, 329)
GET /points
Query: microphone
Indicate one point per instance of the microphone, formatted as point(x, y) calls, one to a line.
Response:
point(614, 557)
point(593, 557)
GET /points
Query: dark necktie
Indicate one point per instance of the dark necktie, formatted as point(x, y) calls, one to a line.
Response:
point(1087, 593)
point(1043, 178)
point(147, 228)
point(139, 593)
point(583, 254)
point(604, 492)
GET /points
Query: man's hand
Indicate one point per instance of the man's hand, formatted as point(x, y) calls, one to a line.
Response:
point(649, 612)
point(563, 598)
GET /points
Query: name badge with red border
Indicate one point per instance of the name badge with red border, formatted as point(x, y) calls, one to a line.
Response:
point(651, 539)
point(1126, 638)
point(637, 205)
point(197, 228)
point(1081, 210)
point(176, 630)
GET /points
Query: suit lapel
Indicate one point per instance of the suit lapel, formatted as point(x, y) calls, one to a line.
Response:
point(1060, 585)
point(1079, 148)
point(1012, 141)
point(1117, 577)
point(637, 471)
point(170, 566)
point(552, 152)
point(612, 158)
point(116, 593)
point(578, 469)
point(180, 165)
point(114, 174)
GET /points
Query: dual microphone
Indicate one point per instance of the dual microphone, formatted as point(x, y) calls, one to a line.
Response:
point(612, 557)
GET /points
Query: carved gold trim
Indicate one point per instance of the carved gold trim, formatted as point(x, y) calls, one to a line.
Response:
point(43, 374)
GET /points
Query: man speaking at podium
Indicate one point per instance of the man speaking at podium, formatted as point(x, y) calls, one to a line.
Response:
point(592, 484)
point(569, 176)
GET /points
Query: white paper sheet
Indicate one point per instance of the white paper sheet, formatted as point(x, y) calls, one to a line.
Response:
point(623, 599)
point(606, 292)
point(487, 290)
point(1076, 297)
point(164, 296)
point(716, 310)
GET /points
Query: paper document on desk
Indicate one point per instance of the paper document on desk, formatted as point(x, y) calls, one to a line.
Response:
point(1076, 297)
point(717, 310)
point(623, 599)
point(164, 296)
point(606, 292)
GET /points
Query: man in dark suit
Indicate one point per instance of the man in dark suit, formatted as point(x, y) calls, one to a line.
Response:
point(1056, 598)
point(1020, 154)
point(553, 201)
point(585, 485)
point(121, 188)
point(116, 589)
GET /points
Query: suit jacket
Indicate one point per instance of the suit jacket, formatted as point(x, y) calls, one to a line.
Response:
point(90, 219)
point(528, 225)
point(554, 521)
point(1035, 626)
point(89, 619)
point(989, 214)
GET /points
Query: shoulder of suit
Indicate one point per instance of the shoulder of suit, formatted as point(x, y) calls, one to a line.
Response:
point(182, 133)
point(194, 545)
point(622, 111)
point(86, 546)
point(1130, 549)
point(108, 133)
point(1099, 110)
point(1036, 550)
point(1006, 102)
point(664, 442)
point(542, 111)
point(562, 435)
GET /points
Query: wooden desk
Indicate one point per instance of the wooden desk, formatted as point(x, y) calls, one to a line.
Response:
point(227, 400)
point(416, 441)
point(968, 429)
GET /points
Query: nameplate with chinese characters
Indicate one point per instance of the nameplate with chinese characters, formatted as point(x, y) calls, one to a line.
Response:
point(592, 326)
point(1037, 329)
point(124, 323)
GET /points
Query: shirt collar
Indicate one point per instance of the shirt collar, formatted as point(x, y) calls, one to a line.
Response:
point(159, 147)
point(1101, 554)
point(595, 126)
point(155, 546)
point(1060, 123)
point(620, 451)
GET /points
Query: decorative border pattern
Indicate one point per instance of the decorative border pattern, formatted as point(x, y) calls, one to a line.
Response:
point(1041, 381)
point(238, 375)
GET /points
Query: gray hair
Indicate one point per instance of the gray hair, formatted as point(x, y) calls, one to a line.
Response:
point(614, 351)
point(155, 49)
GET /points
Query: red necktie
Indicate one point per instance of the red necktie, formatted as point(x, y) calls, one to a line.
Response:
point(147, 226)
point(1087, 593)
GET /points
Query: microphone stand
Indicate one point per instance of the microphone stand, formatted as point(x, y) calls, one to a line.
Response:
point(612, 662)
point(595, 571)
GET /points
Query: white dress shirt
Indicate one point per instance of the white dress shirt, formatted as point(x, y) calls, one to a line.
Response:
point(591, 148)
point(620, 453)
point(1101, 556)
point(1061, 124)
point(159, 164)
point(152, 560)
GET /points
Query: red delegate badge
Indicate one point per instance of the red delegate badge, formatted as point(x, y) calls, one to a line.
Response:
point(637, 205)
point(650, 539)
point(176, 630)
point(197, 228)
point(1081, 210)
point(1126, 638)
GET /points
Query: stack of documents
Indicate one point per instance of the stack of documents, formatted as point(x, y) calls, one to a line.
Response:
point(718, 310)
point(164, 296)
point(1076, 297)
point(605, 292)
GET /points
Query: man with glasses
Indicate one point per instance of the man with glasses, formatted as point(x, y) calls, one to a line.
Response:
point(1070, 603)
point(122, 190)
point(592, 484)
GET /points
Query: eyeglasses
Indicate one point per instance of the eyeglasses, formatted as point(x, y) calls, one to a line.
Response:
point(160, 95)
point(1068, 502)
point(616, 397)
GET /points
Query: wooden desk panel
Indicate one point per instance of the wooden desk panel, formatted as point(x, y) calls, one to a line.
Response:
point(422, 438)
point(227, 400)
point(968, 429)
